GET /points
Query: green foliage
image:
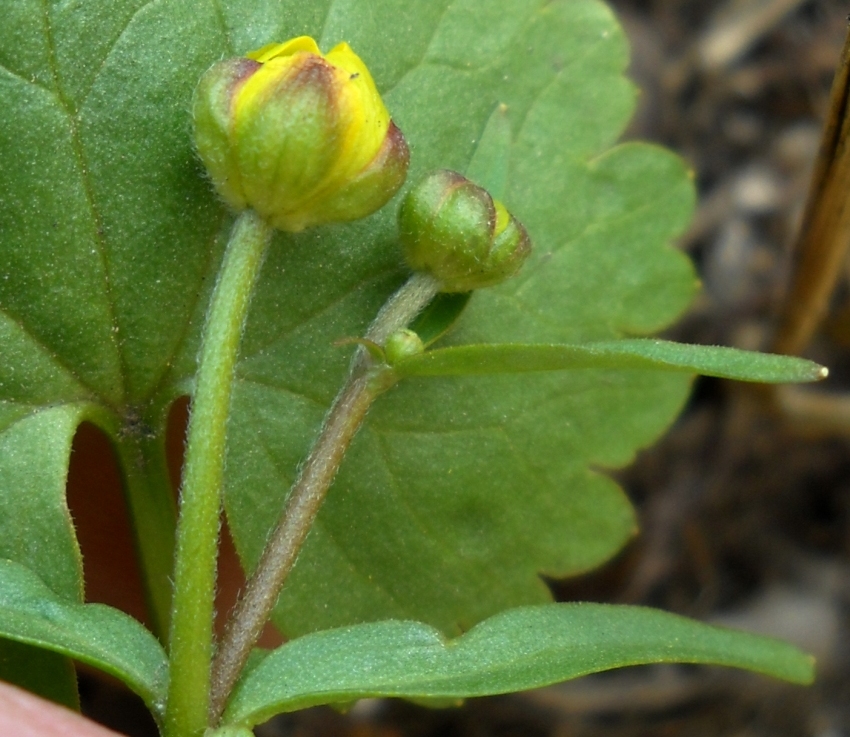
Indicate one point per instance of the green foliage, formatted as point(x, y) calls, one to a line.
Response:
point(663, 355)
point(36, 528)
point(461, 490)
point(92, 633)
point(521, 649)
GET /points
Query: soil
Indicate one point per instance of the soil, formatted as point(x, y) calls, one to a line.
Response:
point(745, 511)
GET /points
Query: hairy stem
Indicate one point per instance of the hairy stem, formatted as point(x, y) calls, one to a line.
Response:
point(200, 497)
point(365, 382)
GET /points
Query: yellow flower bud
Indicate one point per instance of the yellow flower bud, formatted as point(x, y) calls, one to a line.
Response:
point(301, 137)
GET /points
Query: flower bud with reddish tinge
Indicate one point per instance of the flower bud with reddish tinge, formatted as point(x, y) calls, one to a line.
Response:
point(454, 230)
point(301, 137)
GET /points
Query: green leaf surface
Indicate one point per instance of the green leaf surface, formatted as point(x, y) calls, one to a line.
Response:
point(517, 650)
point(35, 525)
point(99, 635)
point(36, 529)
point(461, 490)
point(727, 363)
point(439, 316)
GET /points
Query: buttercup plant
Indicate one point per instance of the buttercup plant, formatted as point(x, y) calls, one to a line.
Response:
point(298, 143)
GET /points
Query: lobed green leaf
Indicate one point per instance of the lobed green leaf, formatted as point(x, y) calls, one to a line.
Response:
point(460, 491)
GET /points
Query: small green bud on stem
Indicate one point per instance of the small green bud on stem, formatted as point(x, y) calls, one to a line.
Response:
point(402, 344)
point(454, 230)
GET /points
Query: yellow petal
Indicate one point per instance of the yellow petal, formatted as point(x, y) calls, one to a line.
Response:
point(368, 119)
point(503, 217)
point(287, 48)
point(318, 166)
point(343, 57)
point(264, 81)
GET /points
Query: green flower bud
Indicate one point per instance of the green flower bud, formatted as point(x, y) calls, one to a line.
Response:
point(402, 344)
point(301, 137)
point(452, 229)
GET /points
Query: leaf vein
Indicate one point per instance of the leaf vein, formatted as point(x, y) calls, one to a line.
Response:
point(324, 308)
point(426, 532)
point(23, 79)
point(219, 10)
point(323, 403)
point(425, 61)
point(85, 95)
point(591, 48)
point(441, 431)
point(415, 65)
point(403, 609)
point(97, 220)
point(52, 355)
point(168, 365)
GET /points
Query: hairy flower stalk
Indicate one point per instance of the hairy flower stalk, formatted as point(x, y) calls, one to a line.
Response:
point(367, 379)
point(456, 238)
point(291, 138)
point(200, 496)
